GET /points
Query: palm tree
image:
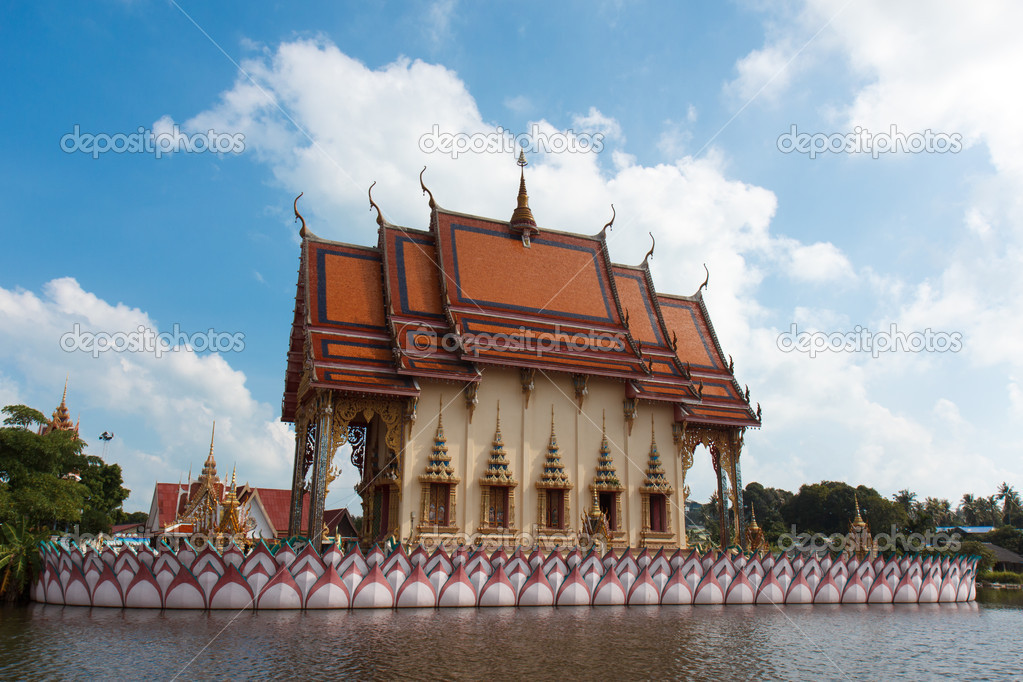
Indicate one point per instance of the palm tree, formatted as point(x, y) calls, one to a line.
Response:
point(19, 560)
point(968, 512)
point(1011, 508)
point(940, 511)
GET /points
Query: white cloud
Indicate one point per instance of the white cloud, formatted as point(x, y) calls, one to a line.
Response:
point(826, 417)
point(170, 401)
point(520, 104)
point(819, 262)
point(596, 122)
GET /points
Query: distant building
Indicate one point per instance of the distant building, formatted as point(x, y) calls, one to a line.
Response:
point(61, 419)
point(212, 506)
point(1005, 560)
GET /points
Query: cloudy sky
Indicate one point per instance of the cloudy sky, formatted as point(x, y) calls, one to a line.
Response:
point(905, 225)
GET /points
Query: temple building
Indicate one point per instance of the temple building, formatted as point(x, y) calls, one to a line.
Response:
point(221, 509)
point(61, 418)
point(495, 380)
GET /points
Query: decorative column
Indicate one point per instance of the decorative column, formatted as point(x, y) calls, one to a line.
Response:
point(298, 478)
point(685, 462)
point(321, 463)
point(735, 473)
point(719, 470)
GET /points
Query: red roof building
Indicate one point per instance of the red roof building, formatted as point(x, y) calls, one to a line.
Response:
point(471, 311)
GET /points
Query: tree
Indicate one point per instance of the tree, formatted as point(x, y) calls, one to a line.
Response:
point(19, 560)
point(23, 416)
point(940, 511)
point(975, 548)
point(968, 512)
point(1008, 537)
point(710, 520)
point(48, 481)
point(767, 504)
point(1012, 512)
point(829, 506)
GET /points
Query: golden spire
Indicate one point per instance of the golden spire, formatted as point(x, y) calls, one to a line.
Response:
point(440, 418)
point(522, 218)
point(553, 474)
point(498, 471)
point(595, 507)
point(753, 517)
point(209, 469)
point(858, 521)
point(438, 464)
point(61, 418)
point(554, 439)
point(656, 480)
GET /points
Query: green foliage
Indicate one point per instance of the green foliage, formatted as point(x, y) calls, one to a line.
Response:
point(120, 516)
point(19, 560)
point(1004, 577)
point(23, 416)
point(767, 504)
point(1008, 537)
point(975, 548)
point(979, 511)
point(829, 506)
point(48, 481)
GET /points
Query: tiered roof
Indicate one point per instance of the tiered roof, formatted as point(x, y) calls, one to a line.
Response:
point(607, 476)
point(656, 480)
point(61, 419)
point(498, 471)
point(438, 465)
point(553, 475)
point(470, 291)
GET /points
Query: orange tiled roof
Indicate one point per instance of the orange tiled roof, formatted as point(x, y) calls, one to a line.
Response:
point(468, 292)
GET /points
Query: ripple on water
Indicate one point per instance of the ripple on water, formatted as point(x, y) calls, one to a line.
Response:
point(734, 642)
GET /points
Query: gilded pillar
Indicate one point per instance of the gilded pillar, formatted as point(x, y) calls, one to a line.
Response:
point(719, 471)
point(298, 478)
point(321, 463)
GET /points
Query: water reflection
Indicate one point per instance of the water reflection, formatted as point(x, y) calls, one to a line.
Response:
point(755, 642)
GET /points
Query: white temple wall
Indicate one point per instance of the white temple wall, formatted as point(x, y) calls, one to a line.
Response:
point(526, 432)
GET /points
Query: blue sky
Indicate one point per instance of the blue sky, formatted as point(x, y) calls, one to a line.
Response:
point(690, 100)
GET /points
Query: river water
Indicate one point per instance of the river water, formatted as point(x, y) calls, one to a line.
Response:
point(973, 641)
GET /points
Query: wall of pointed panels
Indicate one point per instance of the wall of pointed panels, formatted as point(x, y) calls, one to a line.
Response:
point(287, 577)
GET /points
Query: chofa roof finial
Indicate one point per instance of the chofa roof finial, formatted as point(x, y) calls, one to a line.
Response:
point(609, 225)
point(305, 231)
point(373, 205)
point(650, 253)
point(433, 204)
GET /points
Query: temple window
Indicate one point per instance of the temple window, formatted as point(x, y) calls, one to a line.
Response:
point(609, 506)
point(439, 506)
point(658, 513)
